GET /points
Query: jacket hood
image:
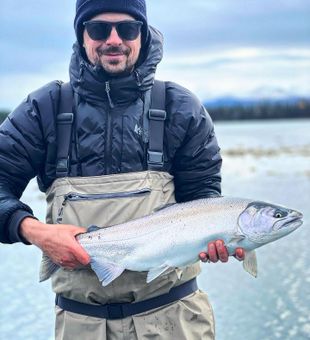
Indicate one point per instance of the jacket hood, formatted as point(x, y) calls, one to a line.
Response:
point(91, 82)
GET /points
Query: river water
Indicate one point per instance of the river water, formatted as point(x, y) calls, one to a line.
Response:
point(265, 160)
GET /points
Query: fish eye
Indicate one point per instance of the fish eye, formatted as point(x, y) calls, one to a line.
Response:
point(279, 214)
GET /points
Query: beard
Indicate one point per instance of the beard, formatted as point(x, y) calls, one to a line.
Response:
point(114, 66)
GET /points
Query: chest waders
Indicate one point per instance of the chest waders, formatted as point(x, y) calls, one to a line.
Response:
point(170, 307)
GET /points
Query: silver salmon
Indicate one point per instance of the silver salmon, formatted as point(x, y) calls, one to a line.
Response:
point(174, 236)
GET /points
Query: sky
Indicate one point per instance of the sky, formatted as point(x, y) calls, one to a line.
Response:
point(216, 48)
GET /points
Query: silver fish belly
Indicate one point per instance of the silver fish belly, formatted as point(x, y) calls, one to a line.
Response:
point(173, 237)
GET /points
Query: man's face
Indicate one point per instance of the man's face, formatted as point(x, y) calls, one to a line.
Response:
point(114, 54)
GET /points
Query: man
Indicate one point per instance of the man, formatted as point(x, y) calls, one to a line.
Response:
point(111, 177)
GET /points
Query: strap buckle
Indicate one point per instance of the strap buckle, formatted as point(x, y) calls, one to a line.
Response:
point(155, 114)
point(65, 118)
point(155, 158)
point(62, 167)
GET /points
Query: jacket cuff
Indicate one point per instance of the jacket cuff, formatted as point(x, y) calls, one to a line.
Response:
point(14, 225)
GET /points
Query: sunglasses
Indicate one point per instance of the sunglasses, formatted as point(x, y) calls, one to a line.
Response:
point(101, 30)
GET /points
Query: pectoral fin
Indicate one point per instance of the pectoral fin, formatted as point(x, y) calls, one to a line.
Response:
point(47, 268)
point(234, 243)
point(250, 263)
point(106, 272)
point(155, 272)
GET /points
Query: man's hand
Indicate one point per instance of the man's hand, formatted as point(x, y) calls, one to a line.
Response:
point(57, 241)
point(218, 251)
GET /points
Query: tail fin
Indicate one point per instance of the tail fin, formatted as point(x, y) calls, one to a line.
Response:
point(47, 268)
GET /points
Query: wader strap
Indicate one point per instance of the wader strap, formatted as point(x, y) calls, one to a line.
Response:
point(122, 310)
point(157, 116)
point(64, 130)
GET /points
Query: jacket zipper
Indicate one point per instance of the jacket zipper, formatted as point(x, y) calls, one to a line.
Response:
point(82, 66)
point(108, 134)
point(108, 90)
point(138, 79)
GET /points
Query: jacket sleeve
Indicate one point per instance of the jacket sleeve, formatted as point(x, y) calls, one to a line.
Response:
point(22, 153)
point(197, 161)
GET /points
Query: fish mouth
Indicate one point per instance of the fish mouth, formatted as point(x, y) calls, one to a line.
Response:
point(293, 223)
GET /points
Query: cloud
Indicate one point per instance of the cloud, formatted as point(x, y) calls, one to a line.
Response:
point(14, 87)
point(226, 23)
point(242, 72)
point(213, 47)
point(34, 34)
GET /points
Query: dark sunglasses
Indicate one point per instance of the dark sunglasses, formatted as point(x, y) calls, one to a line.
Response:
point(101, 30)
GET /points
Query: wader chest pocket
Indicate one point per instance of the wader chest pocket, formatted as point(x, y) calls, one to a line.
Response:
point(101, 208)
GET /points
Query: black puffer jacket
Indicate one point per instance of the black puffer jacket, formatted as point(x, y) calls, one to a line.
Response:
point(107, 136)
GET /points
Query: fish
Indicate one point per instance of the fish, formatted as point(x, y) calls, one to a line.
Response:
point(174, 236)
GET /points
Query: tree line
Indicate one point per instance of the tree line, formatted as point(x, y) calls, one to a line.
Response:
point(261, 110)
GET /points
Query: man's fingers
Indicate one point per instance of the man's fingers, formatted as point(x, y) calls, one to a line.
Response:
point(239, 254)
point(83, 258)
point(218, 251)
point(74, 259)
point(204, 257)
point(212, 253)
point(78, 230)
point(77, 250)
point(221, 251)
point(80, 254)
point(68, 264)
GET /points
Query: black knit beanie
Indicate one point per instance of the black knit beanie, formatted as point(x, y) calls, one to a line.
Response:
point(87, 9)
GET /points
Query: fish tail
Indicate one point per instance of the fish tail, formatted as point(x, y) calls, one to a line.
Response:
point(47, 268)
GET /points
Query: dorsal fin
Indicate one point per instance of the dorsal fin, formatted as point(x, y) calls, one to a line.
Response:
point(92, 228)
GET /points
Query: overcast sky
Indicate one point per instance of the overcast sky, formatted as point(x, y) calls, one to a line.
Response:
point(243, 48)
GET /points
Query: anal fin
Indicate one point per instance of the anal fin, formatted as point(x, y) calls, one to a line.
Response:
point(155, 272)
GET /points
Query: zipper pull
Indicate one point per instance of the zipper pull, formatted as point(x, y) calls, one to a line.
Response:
point(60, 212)
point(139, 83)
point(82, 66)
point(107, 90)
point(61, 209)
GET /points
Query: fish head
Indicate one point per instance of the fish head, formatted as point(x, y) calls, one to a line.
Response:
point(263, 222)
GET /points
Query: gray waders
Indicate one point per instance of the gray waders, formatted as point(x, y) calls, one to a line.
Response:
point(104, 201)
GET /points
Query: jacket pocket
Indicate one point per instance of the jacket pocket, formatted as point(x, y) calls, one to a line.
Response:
point(101, 209)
